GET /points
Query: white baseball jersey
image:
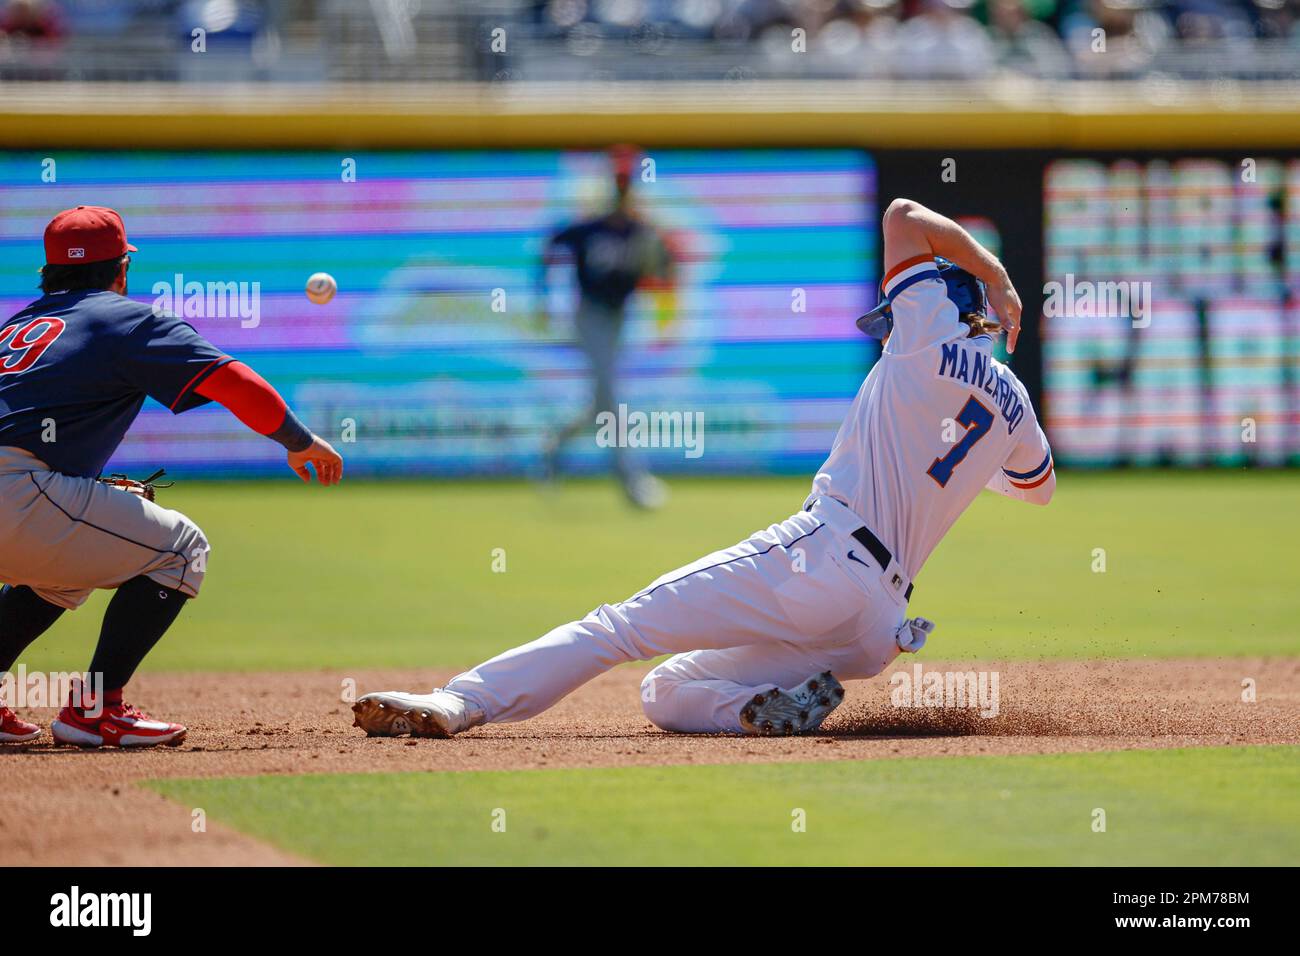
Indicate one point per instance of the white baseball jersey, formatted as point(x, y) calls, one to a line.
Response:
point(937, 419)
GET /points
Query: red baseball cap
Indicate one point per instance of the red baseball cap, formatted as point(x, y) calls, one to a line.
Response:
point(85, 234)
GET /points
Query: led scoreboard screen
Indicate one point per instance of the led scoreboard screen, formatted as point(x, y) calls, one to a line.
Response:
point(431, 360)
point(1170, 311)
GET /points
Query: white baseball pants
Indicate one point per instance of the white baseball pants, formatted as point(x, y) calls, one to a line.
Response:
point(796, 599)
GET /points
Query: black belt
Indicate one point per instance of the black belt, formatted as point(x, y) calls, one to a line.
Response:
point(872, 544)
point(879, 552)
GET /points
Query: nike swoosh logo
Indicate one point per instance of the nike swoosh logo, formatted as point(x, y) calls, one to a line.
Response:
point(854, 557)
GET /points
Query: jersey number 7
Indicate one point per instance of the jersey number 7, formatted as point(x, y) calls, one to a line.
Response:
point(978, 420)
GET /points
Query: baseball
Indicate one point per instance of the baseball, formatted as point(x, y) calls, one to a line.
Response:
point(321, 287)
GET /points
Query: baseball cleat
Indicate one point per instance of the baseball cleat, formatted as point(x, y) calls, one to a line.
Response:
point(15, 730)
point(117, 725)
point(799, 710)
point(395, 714)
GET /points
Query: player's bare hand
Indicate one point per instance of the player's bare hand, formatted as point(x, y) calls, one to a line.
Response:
point(321, 456)
point(1006, 303)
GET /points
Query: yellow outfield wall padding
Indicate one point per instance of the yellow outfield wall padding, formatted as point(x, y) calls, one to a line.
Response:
point(898, 115)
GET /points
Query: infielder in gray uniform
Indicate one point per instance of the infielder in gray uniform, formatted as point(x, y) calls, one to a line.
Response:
point(75, 367)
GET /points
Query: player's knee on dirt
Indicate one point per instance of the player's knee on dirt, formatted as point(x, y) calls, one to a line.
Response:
point(651, 687)
point(657, 700)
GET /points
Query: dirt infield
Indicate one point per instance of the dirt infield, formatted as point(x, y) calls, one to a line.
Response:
point(61, 806)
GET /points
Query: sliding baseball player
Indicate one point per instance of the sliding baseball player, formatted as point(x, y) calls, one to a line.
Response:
point(824, 592)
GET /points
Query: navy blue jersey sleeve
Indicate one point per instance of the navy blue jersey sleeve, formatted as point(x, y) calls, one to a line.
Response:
point(167, 359)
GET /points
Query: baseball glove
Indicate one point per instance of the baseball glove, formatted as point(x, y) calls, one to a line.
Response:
point(147, 489)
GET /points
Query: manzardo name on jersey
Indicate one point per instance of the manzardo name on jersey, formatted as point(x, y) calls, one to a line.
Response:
point(978, 370)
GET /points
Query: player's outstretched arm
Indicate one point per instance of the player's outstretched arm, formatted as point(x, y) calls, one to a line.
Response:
point(912, 230)
point(252, 400)
point(321, 455)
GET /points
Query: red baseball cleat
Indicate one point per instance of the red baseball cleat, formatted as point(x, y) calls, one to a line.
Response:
point(117, 725)
point(15, 730)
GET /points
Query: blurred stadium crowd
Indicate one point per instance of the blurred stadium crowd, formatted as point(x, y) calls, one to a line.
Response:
point(933, 38)
point(548, 40)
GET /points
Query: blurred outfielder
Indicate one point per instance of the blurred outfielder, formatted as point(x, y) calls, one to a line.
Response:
point(612, 255)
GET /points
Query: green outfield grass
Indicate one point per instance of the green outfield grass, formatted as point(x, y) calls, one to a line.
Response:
point(1211, 807)
point(400, 574)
